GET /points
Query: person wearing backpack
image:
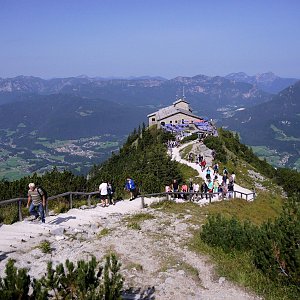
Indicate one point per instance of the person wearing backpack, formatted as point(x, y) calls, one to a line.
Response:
point(37, 197)
point(110, 192)
point(130, 186)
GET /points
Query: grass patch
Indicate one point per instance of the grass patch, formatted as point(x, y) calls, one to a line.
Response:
point(45, 247)
point(188, 173)
point(238, 267)
point(135, 266)
point(135, 220)
point(103, 232)
point(140, 217)
point(266, 206)
point(181, 210)
point(185, 151)
point(134, 225)
point(175, 208)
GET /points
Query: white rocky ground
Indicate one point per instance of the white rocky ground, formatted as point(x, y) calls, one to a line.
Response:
point(156, 261)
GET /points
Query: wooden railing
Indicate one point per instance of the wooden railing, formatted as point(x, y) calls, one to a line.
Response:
point(19, 201)
point(192, 196)
point(187, 196)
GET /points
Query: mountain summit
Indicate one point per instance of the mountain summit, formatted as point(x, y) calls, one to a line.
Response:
point(268, 82)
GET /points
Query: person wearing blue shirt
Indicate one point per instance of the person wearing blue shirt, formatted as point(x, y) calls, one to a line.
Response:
point(130, 186)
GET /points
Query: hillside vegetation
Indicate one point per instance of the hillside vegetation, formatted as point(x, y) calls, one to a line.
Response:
point(143, 158)
point(255, 244)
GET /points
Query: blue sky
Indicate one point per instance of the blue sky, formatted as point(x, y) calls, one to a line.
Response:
point(61, 38)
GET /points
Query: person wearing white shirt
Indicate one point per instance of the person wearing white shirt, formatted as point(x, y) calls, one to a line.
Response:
point(103, 194)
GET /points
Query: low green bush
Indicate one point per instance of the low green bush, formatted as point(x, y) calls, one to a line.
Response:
point(273, 246)
point(229, 234)
point(86, 281)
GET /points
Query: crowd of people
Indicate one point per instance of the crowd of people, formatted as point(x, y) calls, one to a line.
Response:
point(106, 190)
point(212, 186)
point(37, 197)
point(216, 184)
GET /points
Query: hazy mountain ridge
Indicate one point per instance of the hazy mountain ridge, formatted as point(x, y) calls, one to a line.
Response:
point(67, 116)
point(81, 107)
point(108, 89)
point(275, 124)
point(268, 82)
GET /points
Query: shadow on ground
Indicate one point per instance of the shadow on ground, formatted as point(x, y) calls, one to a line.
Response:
point(4, 255)
point(139, 294)
point(60, 220)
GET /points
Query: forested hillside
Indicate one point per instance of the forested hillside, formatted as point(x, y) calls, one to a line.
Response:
point(143, 158)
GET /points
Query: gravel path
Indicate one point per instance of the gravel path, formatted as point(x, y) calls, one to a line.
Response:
point(155, 259)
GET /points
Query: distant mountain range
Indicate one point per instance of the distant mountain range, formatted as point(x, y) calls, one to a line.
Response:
point(208, 95)
point(268, 82)
point(35, 109)
point(274, 124)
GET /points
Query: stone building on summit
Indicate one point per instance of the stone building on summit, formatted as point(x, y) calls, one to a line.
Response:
point(180, 120)
point(178, 113)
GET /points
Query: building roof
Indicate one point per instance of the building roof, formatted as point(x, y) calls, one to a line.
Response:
point(170, 111)
point(180, 100)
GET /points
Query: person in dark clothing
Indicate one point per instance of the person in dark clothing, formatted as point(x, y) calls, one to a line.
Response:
point(175, 188)
point(204, 189)
point(230, 188)
point(110, 193)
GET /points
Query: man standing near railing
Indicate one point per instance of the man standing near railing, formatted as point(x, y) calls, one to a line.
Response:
point(38, 202)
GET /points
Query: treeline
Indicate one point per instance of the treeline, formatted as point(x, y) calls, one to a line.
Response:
point(143, 158)
point(288, 179)
point(54, 182)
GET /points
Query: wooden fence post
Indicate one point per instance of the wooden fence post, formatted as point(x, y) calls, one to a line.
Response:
point(89, 201)
point(142, 202)
point(71, 200)
point(20, 209)
point(254, 195)
point(46, 209)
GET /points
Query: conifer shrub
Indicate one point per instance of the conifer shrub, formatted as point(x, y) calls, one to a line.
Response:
point(228, 234)
point(274, 246)
point(16, 283)
point(289, 180)
point(216, 143)
point(277, 250)
point(86, 280)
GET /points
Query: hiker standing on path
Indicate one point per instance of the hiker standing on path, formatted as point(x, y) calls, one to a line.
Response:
point(130, 186)
point(38, 201)
point(103, 190)
point(175, 188)
point(110, 192)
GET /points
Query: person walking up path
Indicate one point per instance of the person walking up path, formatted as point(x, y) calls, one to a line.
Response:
point(38, 202)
